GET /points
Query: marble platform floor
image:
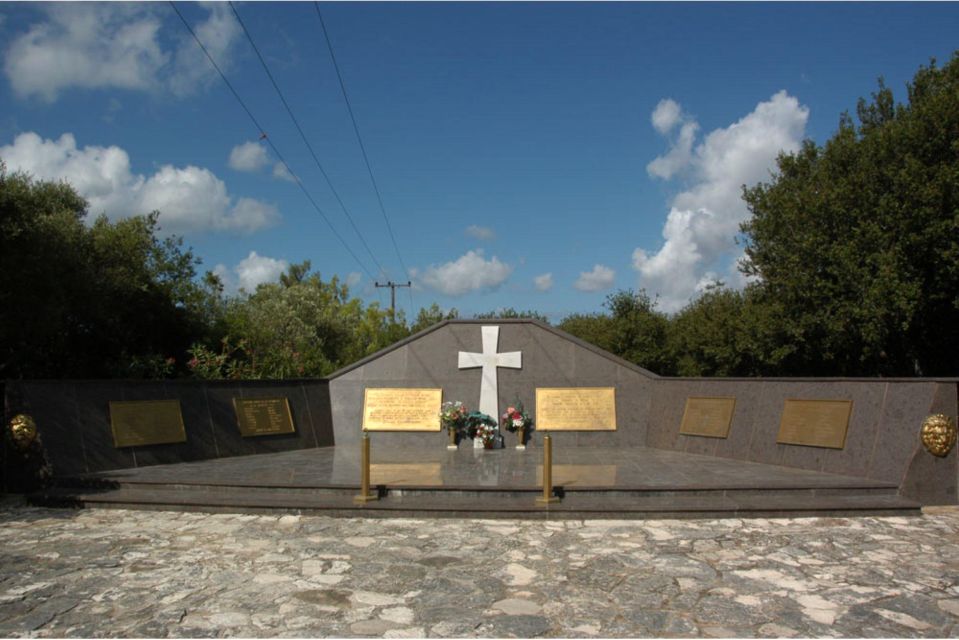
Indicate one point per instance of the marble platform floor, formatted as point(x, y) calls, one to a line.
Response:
point(635, 469)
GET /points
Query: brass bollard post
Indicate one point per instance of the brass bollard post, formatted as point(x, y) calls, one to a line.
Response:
point(547, 498)
point(365, 495)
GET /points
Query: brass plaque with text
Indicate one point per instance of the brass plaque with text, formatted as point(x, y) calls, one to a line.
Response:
point(425, 474)
point(402, 409)
point(709, 417)
point(145, 422)
point(583, 475)
point(263, 416)
point(815, 423)
point(576, 409)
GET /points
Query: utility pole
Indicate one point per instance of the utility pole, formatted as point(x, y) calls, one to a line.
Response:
point(392, 285)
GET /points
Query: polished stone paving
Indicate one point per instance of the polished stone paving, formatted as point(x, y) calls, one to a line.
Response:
point(575, 468)
point(116, 573)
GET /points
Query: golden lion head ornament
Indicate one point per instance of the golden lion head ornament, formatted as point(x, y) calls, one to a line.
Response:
point(23, 430)
point(938, 434)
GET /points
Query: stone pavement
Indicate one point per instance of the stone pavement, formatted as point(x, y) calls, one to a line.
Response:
point(95, 573)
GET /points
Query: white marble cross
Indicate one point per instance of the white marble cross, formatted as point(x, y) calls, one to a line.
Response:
point(490, 360)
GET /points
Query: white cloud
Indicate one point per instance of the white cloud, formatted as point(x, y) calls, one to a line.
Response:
point(543, 282)
point(190, 199)
point(249, 156)
point(666, 115)
point(480, 233)
point(353, 278)
point(280, 172)
point(470, 272)
point(600, 278)
point(704, 220)
point(678, 157)
point(249, 214)
point(218, 33)
point(250, 272)
point(113, 45)
point(253, 156)
point(255, 270)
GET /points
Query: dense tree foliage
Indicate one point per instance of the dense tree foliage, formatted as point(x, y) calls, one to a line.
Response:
point(431, 315)
point(633, 329)
point(511, 313)
point(298, 327)
point(856, 243)
point(105, 300)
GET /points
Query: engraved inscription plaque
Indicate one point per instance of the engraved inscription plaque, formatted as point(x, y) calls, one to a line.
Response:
point(583, 475)
point(402, 409)
point(576, 409)
point(424, 474)
point(145, 422)
point(263, 416)
point(815, 423)
point(709, 417)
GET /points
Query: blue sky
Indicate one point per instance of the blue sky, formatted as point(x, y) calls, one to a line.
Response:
point(532, 155)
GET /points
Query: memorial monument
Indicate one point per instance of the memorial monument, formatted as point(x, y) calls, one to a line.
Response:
point(617, 428)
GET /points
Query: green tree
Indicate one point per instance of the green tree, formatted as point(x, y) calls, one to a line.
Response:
point(633, 330)
point(856, 243)
point(300, 326)
point(510, 312)
point(427, 317)
point(595, 328)
point(110, 299)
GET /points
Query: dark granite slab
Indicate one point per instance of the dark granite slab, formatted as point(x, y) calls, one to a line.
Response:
point(509, 469)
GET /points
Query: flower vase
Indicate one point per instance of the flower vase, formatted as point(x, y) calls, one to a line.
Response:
point(452, 443)
point(478, 443)
point(522, 439)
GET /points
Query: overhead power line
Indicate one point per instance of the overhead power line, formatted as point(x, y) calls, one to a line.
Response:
point(262, 134)
point(366, 159)
point(299, 129)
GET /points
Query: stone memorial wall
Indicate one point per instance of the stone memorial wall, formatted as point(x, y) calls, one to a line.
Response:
point(858, 427)
point(74, 419)
point(549, 358)
point(881, 440)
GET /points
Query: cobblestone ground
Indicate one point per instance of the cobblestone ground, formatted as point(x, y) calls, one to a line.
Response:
point(99, 573)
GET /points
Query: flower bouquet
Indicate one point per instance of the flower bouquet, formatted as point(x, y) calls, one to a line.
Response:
point(453, 419)
point(517, 420)
point(481, 428)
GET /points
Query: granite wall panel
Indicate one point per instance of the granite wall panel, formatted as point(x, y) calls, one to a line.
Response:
point(880, 440)
point(229, 442)
point(318, 405)
point(73, 418)
point(548, 360)
point(853, 458)
point(904, 407)
point(301, 438)
point(54, 409)
point(93, 420)
point(931, 479)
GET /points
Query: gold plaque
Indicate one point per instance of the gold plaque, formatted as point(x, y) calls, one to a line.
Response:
point(145, 422)
point(263, 416)
point(709, 417)
point(815, 423)
point(576, 409)
point(425, 474)
point(584, 475)
point(402, 409)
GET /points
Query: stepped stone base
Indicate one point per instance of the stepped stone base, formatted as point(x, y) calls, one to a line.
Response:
point(500, 483)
